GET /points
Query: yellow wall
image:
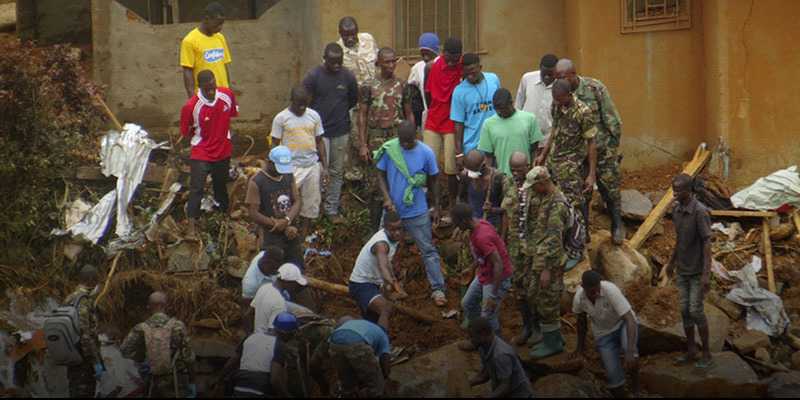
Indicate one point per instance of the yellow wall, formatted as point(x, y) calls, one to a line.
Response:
point(752, 85)
point(655, 79)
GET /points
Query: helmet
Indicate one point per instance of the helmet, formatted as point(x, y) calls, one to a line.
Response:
point(286, 322)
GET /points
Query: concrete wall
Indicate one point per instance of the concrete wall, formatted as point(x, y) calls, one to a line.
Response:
point(140, 62)
point(55, 21)
point(656, 79)
point(751, 83)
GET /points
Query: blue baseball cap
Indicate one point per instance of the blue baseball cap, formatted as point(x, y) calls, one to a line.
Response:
point(429, 41)
point(286, 322)
point(282, 157)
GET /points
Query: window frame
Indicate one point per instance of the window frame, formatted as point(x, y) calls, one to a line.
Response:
point(681, 20)
point(411, 53)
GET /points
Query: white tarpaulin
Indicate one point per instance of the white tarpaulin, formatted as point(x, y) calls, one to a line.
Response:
point(765, 310)
point(124, 155)
point(771, 192)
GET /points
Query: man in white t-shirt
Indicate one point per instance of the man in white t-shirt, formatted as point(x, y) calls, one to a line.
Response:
point(270, 301)
point(429, 52)
point(613, 325)
point(535, 95)
point(300, 129)
point(373, 271)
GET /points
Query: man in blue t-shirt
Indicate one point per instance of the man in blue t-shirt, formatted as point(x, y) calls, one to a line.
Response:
point(360, 351)
point(471, 105)
point(402, 170)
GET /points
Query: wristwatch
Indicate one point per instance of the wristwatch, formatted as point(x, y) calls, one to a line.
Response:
point(288, 219)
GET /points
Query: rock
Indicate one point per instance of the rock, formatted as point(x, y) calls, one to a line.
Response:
point(749, 341)
point(796, 360)
point(784, 385)
point(731, 309)
point(557, 363)
point(763, 355)
point(655, 197)
point(598, 238)
point(186, 256)
point(565, 386)
point(72, 249)
point(439, 373)
point(654, 337)
point(572, 278)
point(635, 205)
point(246, 241)
point(236, 267)
point(626, 268)
point(206, 347)
point(732, 377)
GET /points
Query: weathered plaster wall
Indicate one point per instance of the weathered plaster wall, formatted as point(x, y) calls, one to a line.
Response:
point(55, 21)
point(517, 33)
point(751, 83)
point(141, 64)
point(656, 80)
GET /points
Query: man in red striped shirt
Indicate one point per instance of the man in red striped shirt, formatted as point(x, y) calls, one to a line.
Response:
point(206, 117)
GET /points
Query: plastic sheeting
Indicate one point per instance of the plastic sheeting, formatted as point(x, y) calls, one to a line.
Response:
point(765, 310)
point(771, 192)
point(124, 155)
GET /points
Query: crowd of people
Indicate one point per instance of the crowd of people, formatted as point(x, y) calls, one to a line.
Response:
point(520, 176)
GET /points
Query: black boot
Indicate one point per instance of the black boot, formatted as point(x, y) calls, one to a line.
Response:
point(615, 212)
point(585, 212)
point(527, 324)
point(375, 214)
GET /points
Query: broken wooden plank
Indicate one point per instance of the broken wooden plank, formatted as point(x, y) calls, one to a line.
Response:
point(111, 116)
point(701, 157)
point(796, 219)
point(768, 254)
point(344, 291)
point(742, 213)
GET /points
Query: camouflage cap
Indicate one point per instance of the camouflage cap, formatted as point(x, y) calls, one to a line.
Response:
point(536, 175)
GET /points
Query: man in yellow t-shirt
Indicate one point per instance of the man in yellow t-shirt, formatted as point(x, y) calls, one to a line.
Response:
point(205, 48)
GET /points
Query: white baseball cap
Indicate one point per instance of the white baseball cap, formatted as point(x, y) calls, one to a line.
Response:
point(291, 272)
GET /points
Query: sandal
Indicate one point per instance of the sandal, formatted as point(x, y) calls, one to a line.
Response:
point(700, 369)
point(682, 360)
point(439, 298)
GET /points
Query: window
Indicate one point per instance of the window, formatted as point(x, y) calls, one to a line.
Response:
point(159, 12)
point(446, 18)
point(655, 15)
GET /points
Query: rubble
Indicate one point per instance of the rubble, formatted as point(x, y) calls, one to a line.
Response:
point(436, 374)
point(749, 341)
point(565, 386)
point(732, 377)
point(635, 205)
point(187, 257)
point(626, 268)
point(206, 347)
point(661, 330)
point(784, 385)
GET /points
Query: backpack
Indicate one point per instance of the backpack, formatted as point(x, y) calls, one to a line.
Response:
point(62, 334)
point(157, 347)
point(574, 235)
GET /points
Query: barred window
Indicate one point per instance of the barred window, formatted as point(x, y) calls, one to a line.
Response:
point(654, 15)
point(446, 18)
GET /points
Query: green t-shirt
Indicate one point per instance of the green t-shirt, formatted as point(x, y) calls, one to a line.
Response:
point(504, 136)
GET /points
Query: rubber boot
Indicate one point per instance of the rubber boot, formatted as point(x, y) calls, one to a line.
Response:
point(537, 336)
point(375, 214)
point(586, 221)
point(527, 324)
point(553, 342)
point(615, 211)
point(464, 322)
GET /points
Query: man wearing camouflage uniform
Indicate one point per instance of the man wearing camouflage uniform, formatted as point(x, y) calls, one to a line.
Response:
point(384, 102)
point(84, 376)
point(305, 353)
point(594, 94)
point(569, 148)
point(515, 232)
point(181, 356)
point(549, 260)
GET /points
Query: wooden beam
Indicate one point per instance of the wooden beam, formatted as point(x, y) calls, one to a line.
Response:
point(701, 157)
point(796, 219)
point(743, 213)
point(768, 254)
point(343, 290)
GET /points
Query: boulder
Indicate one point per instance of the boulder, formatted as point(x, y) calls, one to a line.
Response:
point(732, 377)
point(626, 268)
point(784, 385)
point(748, 341)
point(796, 360)
point(763, 355)
point(565, 386)
point(441, 373)
point(186, 257)
point(731, 309)
point(236, 267)
point(208, 347)
point(668, 335)
point(635, 205)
